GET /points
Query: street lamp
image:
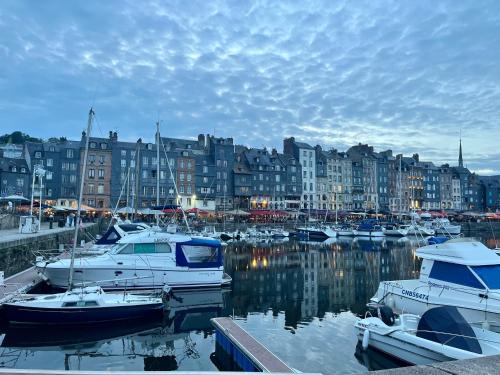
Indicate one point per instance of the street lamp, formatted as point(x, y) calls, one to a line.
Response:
point(40, 172)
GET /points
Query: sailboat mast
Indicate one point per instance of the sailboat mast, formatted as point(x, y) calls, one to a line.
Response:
point(80, 195)
point(400, 188)
point(157, 172)
point(128, 192)
point(137, 176)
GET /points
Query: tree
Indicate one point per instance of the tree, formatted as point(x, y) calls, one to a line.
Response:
point(18, 138)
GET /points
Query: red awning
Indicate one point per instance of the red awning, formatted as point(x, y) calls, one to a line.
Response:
point(172, 211)
point(267, 213)
point(197, 211)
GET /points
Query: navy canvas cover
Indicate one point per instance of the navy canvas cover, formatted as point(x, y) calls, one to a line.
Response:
point(367, 224)
point(442, 324)
point(199, 253)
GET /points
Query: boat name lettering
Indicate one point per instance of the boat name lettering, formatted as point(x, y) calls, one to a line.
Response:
point(411, 293)
point(431, 284)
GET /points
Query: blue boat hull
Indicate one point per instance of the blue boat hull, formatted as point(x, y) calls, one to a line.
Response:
point(310, 234)
point(79, 316)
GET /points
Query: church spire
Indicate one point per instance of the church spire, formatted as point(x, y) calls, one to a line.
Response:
point(460, 159)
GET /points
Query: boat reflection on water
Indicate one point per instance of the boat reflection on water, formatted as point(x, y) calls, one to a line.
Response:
point(157, 345)
point(374, 360)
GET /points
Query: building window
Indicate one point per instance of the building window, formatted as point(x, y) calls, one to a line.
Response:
point(72, 179)
point(48, 175)
point(100, 189)
point(144, 174)
point(124, 153)
point(104, 146)
point(69, 154)
point(38, 155)
point(181, 177)
point(91, 173)
point(123, 163)
point(101, 159)
point(93, 145)
point(50, 162)
point(145, 160)
point(101, 173)
point(188, 176)
point(91, 189)
point(205, 169)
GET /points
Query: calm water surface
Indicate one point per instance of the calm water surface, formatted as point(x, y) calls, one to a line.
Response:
point(299, 299)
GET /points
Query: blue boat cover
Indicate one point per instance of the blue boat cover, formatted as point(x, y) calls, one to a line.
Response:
point(436, 240)
point(112, 236)
point(367, 224)
point(445, 325)
point(199, 253)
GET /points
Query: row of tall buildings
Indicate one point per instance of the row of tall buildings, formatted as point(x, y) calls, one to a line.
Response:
point(213, 173)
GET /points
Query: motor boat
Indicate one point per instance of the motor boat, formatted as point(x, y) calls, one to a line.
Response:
point(113, 235)
point(440, 334)
point(369, 228)
point(81, 306)
point(315, 232)
point(418, 230)
point(395, 230)
point(146, 260)
point(344, 230)
point(460, 272)
point(443, 226)
point(279, 233)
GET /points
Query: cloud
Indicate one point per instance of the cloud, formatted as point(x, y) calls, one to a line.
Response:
point(405, 76)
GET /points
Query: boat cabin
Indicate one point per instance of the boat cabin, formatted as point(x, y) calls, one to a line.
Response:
point(462, 263)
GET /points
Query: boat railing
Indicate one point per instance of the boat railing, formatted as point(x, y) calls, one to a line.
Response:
point(50, 254)
point(452, 335)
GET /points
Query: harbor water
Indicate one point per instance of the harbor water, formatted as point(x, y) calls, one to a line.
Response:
point(300, 299)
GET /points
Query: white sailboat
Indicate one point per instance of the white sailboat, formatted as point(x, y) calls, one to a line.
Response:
point(80, 305)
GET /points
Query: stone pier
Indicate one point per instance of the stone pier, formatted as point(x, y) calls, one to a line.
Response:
point(17, 250)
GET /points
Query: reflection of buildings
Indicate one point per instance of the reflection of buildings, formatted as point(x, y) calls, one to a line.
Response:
point(264, 279)
point(306, 280)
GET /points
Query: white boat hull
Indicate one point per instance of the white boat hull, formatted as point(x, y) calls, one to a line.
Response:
point(450, 229)
point(342, 232)
point(410, 354)
point(374, 233)
point(136, 278)
point(395, 232)
point(403, 350)
point(416, 298)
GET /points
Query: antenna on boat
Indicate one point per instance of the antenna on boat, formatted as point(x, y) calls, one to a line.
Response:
point(80, 195)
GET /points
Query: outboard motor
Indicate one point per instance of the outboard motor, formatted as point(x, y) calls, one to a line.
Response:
point(386, 314)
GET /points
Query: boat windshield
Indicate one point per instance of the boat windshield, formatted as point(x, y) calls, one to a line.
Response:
point(490, 275)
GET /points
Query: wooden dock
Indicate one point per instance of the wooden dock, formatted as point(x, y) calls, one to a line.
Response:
point(19, 283)
point(246, 352)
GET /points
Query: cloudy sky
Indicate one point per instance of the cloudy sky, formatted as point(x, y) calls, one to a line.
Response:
point(405, 75)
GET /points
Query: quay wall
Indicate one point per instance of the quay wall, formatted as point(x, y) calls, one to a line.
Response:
point(9, 221)
point(477, 366)
point(18, 254)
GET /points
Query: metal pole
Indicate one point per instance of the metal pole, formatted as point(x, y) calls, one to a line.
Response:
point(157, 172)
point(40, 203)
point(80, 196)
point(32, 191)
